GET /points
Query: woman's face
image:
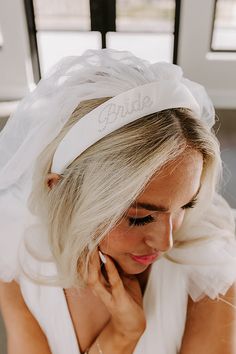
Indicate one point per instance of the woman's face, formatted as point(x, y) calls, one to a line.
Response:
point(147, 229)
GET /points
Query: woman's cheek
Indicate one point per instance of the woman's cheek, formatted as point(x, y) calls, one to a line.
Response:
point(178, 220)
point(119, 241)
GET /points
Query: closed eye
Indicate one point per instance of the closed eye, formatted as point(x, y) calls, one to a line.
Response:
point(140, 221)
point(190, 204)
point(149, 218)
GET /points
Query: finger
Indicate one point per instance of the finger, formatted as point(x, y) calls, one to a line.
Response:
point(94, 268)
point(97, 283)
point(114, 278)
point(103, 293)
point(96, 280)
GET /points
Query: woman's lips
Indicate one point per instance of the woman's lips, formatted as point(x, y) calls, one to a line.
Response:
point(145, 259)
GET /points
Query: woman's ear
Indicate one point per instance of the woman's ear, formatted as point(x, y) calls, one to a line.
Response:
point(52, 179)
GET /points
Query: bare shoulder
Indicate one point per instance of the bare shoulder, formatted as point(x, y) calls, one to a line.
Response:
point(211, 325)
point(24, 334)
point(13, 307)
point(11, 298)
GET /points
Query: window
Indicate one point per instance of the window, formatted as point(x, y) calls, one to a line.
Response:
point(63, 28)
point(144, 27)
point(224, 28)
point(69, 27)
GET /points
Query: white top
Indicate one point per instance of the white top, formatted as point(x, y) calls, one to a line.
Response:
point(165, 311)
point(194, 268)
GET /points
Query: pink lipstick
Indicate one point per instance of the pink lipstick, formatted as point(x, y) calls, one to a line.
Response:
point(145, 259)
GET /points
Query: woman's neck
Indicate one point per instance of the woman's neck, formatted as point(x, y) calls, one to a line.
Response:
point(143, 279)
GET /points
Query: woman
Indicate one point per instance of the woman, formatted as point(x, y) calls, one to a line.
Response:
point(121, 242)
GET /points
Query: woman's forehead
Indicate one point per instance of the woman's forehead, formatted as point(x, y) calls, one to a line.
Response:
point(178, 181)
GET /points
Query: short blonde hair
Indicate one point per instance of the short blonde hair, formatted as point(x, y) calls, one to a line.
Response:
point(99, 185)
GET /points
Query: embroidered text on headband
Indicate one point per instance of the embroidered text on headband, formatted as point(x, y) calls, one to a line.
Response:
point(118, 111)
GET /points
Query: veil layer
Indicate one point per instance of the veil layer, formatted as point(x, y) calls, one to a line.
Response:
point(41, 115)
point(203, 261)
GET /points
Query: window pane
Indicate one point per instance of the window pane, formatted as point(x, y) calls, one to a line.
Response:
point(63, 28)
point(145, 15)
point(62, 14)
point(224, 31)
point(56, 45)
point(150, 46)
point(144, 27)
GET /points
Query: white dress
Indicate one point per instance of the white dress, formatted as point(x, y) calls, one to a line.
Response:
point(203, 259)
point(195, 267)
point(49, 306)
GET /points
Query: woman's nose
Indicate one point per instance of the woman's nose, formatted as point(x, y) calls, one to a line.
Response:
point(161, 238)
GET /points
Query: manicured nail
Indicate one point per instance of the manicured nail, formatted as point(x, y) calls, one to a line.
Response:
point(102, 257)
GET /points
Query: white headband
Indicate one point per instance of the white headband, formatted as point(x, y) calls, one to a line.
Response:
point(118, 111)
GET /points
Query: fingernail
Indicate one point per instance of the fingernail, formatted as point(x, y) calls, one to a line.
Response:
point(102, 257)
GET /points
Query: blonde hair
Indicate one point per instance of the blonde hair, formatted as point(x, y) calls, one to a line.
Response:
point(99, 185)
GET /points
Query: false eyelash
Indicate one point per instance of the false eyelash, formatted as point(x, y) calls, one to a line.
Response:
point(141, 221)
point(190, 204)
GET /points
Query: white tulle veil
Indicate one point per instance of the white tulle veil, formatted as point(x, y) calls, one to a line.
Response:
point(204, 259)
point(40, 117)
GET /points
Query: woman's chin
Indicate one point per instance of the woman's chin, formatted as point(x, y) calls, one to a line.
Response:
point(134, 269)
point(127, 265)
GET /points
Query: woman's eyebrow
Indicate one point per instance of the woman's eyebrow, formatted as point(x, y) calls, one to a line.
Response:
point(160, 208)
point(149, 206)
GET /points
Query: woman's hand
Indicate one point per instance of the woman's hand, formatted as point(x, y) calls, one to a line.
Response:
point(122, 296)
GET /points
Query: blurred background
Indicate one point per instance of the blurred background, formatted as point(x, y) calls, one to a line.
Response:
point(200, 36)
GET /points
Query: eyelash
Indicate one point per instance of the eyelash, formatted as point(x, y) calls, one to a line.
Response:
point(190, 204)
point(141, 221)
point(148, 219)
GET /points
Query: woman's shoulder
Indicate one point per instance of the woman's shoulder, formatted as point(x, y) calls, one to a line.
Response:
point(210, 325)
point(23, 330)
